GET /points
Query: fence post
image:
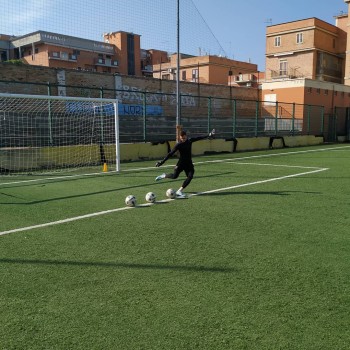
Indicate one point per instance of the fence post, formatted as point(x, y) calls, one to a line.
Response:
point(256, 117)
point(49, 114)
point(322, 120)
point(276, 120)
point(293, 118)
point(102, 141)
point(234, 117)
point(144, 114)
point(308, 119)
point(209, 114)
point(335, 124)
point(347, 124)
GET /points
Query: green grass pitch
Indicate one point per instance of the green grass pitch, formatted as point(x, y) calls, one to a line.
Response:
point(258, 256)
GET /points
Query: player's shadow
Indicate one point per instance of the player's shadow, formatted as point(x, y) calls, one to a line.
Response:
point(119, 265)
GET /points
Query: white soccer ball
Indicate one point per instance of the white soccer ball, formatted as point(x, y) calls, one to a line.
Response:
point(130, 201)
point(150, 197)
point(170, 193)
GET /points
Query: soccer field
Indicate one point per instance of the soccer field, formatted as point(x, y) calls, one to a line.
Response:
point(257, 256)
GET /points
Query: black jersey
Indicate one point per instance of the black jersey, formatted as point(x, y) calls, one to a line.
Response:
point(185, 150)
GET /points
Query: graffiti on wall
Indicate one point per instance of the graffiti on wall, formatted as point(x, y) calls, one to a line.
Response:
point(134, 96)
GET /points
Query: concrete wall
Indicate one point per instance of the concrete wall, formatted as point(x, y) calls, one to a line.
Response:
point(88, 84)
point(22, 159)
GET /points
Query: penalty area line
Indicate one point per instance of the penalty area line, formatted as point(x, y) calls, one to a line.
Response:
point(258, 182)
point(81, 217)
point(63, 221)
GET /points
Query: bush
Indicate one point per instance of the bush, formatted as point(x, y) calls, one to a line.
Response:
point(15, 62)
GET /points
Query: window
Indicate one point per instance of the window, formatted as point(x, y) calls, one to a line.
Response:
point(326, 92)
point(195, 75)
point(318, 91)
point(335, 93)
point(299, 38)
point(64, 55)
point(283, 67)
point(277, 41)
point(183, 74)
point(309, 90)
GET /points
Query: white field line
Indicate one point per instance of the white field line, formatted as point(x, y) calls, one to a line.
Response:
point(258, 182)
point(279, 165)
point(67, 177)
point(149, 204)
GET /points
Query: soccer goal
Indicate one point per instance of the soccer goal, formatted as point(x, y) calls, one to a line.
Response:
point(50, 134)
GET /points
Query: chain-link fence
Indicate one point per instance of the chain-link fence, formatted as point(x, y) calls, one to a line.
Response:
point(151, 116)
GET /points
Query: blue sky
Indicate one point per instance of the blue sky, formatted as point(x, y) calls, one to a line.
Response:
point(233, 28)
point(240, 26)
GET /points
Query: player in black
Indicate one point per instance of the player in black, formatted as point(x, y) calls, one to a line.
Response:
point(184, 146)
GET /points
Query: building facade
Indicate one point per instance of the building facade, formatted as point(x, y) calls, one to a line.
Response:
point(118, 53)
point(307, 62)
point(203, 69)
point(309, 48)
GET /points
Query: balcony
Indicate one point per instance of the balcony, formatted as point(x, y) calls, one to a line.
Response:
point(243, 80)
point(106, 62)
point(62, 56)
point(291, 73)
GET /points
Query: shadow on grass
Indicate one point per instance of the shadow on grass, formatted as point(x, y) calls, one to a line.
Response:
point(119, 265)
point(25, 202)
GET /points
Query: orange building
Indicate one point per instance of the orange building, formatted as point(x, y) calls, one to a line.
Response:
point(203, 69)
point(306, 63)
point(308, 48)
point(151, 57)
point(128, 50)
point(120, 53)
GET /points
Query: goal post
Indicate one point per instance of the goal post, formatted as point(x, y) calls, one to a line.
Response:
point(55, 133)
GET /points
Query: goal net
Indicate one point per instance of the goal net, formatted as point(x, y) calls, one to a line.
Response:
point(50, 134)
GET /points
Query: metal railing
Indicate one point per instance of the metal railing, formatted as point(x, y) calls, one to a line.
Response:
point(151, 116)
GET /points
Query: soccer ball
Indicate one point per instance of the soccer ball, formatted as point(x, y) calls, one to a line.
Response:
point(130, 201)
point(170, 193)
point(150, 197)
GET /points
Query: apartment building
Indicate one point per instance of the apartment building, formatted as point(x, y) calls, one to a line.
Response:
point(127, 49)
point(204, 69)
point(152, 57)
point(307, 63)
point(119, 53)
point(308, 48)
